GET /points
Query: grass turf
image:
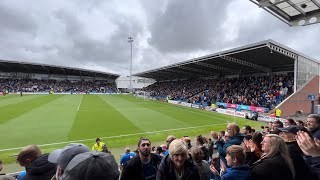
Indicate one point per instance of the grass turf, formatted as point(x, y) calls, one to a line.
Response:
point(52, 121)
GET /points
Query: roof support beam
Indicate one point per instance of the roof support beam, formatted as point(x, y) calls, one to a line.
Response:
point(194, 70)
point(216, 67)
point(316, 3)
point(296, 7)
point(245, 63)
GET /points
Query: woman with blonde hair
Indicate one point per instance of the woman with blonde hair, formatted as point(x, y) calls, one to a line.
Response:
point(275, 163)
point(176, 165)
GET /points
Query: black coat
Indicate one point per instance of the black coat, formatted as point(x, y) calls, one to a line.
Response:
point(301, 168)
point(40, 169)
point(132, 170)
point(166, 170)
point(271, 168)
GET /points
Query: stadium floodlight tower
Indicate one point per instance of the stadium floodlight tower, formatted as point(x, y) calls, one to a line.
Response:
point(130, 40)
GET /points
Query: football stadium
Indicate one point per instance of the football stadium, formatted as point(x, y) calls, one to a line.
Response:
point(246, 112)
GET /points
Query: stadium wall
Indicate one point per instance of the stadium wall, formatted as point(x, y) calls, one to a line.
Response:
point(299, 100)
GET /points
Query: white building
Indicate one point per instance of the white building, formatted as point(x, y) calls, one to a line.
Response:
point(137, 82)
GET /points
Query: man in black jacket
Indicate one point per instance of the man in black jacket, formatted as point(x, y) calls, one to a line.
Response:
point(144, 166)
point(37, 165)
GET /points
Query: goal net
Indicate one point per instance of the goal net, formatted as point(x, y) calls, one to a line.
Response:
point(143, 94)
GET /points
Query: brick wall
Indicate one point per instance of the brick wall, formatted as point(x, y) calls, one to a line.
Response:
point(299, 100)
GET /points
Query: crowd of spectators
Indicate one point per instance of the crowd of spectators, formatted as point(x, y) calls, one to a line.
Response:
point(260, 91)
point(64, 86)
point(277, 151)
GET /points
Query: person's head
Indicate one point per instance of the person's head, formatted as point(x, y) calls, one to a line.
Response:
point(246, 129)
point(257, 138)
point(187, 140)
point(144, 147)
point(233, 129)
point(98, 140)
point(105, 148)
point(169, 139)
point(273, 144)
point(159, 150)
point(221, 133)
point(92, 165)
point(199, 140)
point(62, 157)
point(127, 150)
point(178, 153)
point(289, 122)
point(299, 123)
point(288, 133)
point(28, 154)
point(235, 156)
point(196, 154)
point(313, 121)
point(277, 124)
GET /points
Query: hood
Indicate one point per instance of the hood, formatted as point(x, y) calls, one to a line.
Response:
point(41, 166)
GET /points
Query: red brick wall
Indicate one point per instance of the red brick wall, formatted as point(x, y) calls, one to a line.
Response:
point(299, 100)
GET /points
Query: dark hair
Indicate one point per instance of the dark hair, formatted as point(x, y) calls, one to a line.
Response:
point(278, 123)
point(143, 139)
point(257, 138)
point(200, 139)
point(222, 132)
point(159, 148)
point(0, 161)
point(98, 139)
point(248, 128)
point(299, 121)
point(291, 122)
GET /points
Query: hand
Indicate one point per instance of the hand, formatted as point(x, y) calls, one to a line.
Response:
point(309, 146)
point(244, 146)
point(214, 170)
point(223, 166)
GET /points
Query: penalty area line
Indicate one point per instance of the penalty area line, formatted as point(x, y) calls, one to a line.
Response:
point(111, 137)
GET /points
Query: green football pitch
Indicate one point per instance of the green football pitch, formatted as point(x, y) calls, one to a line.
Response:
point(52, 121)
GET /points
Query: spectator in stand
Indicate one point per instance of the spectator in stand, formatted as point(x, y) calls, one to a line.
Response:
point(36, 164)
point(289, 122)
point(202, 165)
point(170, 138)
point(6, 177)
point(275, 125)
point(313, 125)
point(299, 123)
point(236, 163)
point(187, 140)
point(288, 135)
point(199, 142)
point(275, 163)
point(253, 148)
point(98, 146)
point(235, 138)
point(62, 157)
point(247, 130)
point(176, 164)
point(92, 165)
point(143, 166)
point(311, 148)
point(126, 157)
point(105, 149)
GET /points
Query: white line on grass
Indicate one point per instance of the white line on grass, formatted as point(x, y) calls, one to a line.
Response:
point(80, 103)
point(111, 137)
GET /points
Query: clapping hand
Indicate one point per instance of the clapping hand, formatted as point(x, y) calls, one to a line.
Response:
point(309, 146)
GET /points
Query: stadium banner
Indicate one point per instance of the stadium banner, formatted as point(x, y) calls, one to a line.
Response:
point(257, 109)
point(242, 107)
point(180, 103)
point(231, 112)
point(233, 106)
point(174, 102)
point(222, 104)
point(1, 93)
point(195, 106)
point(269, 118)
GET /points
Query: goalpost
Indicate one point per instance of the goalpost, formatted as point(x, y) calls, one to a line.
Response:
point(143, 94)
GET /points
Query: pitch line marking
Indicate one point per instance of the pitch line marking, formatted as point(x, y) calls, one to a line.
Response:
point(111, 137)
point(80, 103)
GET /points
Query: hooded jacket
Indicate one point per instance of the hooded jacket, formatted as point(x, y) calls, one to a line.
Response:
point(40, 169)
point(222, 147)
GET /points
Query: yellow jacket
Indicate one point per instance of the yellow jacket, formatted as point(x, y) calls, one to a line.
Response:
point(97, 147)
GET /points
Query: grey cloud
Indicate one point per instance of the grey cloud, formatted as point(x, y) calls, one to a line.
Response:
point(188, 25)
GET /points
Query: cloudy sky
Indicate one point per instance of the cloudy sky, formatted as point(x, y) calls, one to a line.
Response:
point(94, 34)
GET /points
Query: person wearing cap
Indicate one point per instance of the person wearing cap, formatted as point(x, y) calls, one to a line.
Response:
point(105, 149)
point(92, 165)
point(98, 146)
point(62, 157)
point(288, 135)
point(143, 166)
point(36, 164)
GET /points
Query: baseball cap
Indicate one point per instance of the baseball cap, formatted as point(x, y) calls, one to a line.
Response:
point(293, 129)
point(92, 165)
point(63, 156)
